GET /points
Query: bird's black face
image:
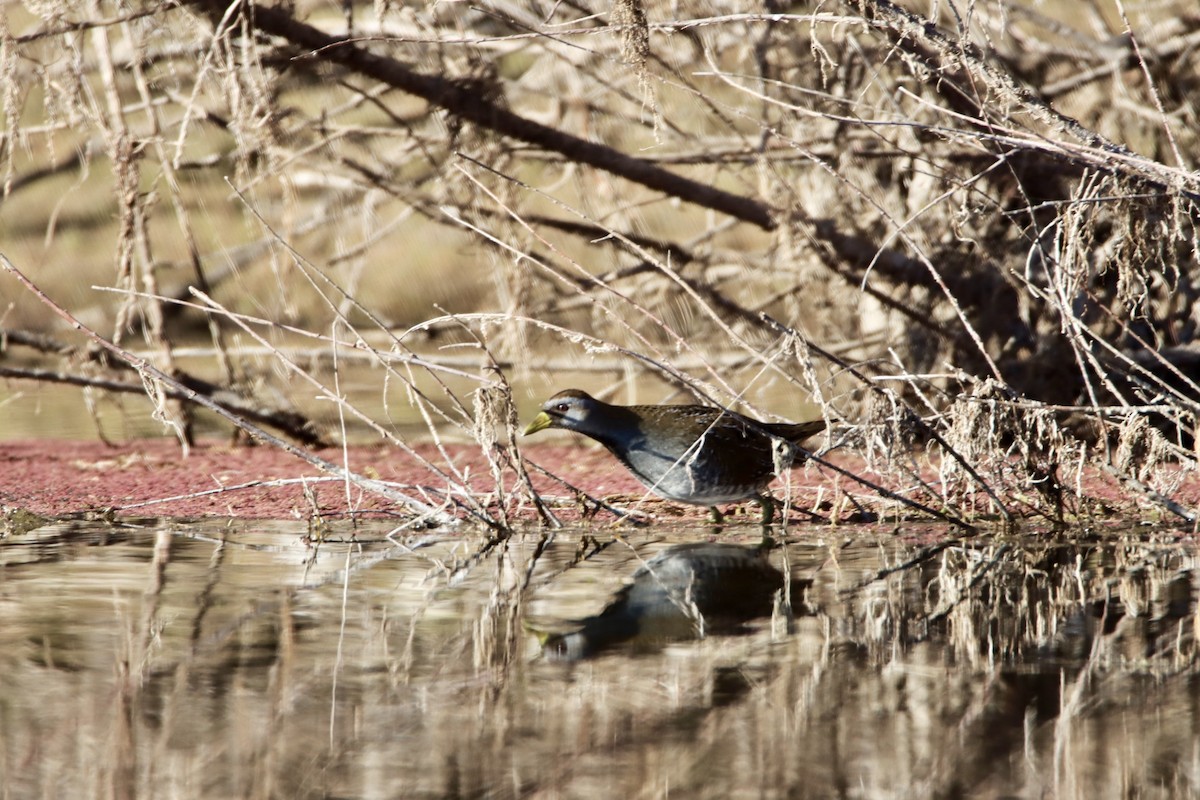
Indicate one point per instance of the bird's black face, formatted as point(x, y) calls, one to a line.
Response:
point(568, 410)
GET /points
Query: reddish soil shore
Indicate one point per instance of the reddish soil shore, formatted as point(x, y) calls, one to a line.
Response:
point(153, 478)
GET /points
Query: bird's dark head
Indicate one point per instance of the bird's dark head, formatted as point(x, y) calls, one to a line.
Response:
point(570, 410)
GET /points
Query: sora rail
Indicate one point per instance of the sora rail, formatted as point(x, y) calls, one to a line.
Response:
point(689, 454)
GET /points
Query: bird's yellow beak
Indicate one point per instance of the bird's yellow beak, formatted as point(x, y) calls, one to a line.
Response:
point(540, 422)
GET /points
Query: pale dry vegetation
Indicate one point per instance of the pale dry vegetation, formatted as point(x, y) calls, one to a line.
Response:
point(972, 237)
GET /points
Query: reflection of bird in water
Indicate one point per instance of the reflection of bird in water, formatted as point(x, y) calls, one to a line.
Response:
point(684, 592)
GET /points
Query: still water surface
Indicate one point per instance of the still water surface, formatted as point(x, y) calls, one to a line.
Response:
point(165, 659)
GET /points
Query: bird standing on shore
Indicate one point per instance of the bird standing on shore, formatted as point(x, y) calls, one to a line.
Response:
point(686, 453)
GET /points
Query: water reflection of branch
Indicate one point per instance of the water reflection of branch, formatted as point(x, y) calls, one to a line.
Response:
point(204, 597)
point(923, 555)
point(1074, 695)
point(964, 594)
point(588, 548)
point(459, 569)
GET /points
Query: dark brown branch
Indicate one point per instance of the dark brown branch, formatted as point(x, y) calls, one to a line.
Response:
point(678, 254)
point(1128, 58)
point(91, 24)
point(66, 164)
point(36, 341)
point(1133, 483)
point(471, 103)
point(290, 423)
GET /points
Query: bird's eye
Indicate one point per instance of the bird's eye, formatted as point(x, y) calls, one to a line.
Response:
point(561, 408)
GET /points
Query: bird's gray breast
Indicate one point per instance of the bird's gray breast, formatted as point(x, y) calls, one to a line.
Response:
point(689, 473)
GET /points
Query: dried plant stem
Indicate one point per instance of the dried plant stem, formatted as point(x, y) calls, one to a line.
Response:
point(933, 433)
point(458, 481)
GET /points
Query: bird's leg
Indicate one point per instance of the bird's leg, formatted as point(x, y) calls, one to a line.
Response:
point(768, 508)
